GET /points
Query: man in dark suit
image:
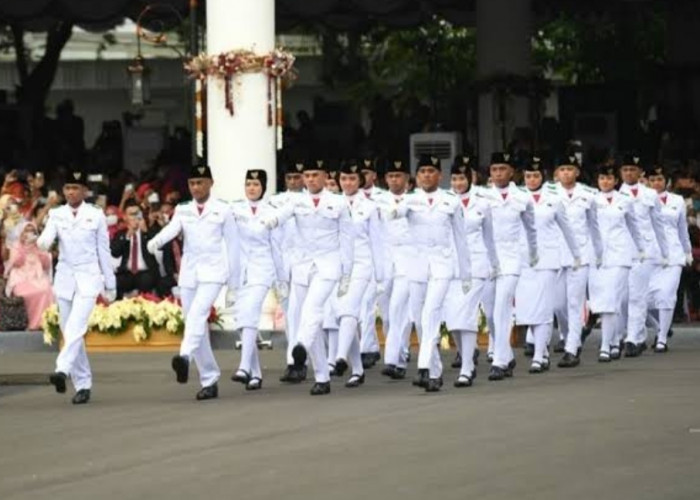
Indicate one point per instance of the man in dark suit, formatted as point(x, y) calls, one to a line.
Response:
point(138, 269)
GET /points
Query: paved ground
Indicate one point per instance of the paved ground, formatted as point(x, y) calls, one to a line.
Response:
point(626, 430)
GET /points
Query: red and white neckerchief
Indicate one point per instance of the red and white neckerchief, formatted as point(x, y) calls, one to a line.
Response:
point(536, 197)
point(634, 190)
point(609, 197)
point(316, 199)
point(465, 201)
point(663, 197)
point(200, 208)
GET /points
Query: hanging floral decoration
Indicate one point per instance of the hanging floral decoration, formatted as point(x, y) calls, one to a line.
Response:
point(278, 65)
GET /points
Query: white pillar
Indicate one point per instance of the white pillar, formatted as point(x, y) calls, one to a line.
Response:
point(503, 46)
point(242, 141)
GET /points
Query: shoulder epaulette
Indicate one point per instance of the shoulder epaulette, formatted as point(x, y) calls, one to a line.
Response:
point(624, 194)
point(450, 193)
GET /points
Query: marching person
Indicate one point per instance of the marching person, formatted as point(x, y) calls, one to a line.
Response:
point(369, 345)
point(461, 312)
point(209, 261)
point(512, 212)
point(608, 282)
point(261, 268)
point(437, 222)
point(534, 294)
point(570, 296)
point(84, 271)
point(325, 237)
point(286, 238)
point(401, 257)
point(663, 289)
point(647, 209)
point(367, 269)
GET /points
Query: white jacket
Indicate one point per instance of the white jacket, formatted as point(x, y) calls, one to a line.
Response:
point(478, 224)
point(324, 234)
point(400, 249)
point(369, 238)
point(618, 226)
point(285, 235)
point(260, 258)
point(210, 253)
point(511, 216)
point(437, 223)
point(581, 211)
point(647, 208)
point(84, 259)
point(675, 224)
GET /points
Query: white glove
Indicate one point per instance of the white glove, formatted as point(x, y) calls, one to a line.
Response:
point(577, 264)
point(282, 290)
point(664, 263)
point(270, 223)
point(599, 262)
point(152, 247)
point(689, 259)
point(343, 285)
point(230, 297)
point(381, 288)
point(642, 256)
point(495, 272)
point(534, 259)
point(466, 286)
point(110, 295)
point(391, 213)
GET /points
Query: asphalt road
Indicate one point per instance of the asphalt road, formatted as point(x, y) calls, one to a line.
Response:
point(626, 430)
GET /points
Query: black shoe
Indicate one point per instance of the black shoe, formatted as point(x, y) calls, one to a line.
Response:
point(464, 381)
point(368, 360)
point(529, 350)
point(58, 380)
point(421, 378)
point(670, 332)
point(560, 346)
point(181, 366)
point(489, 357)
point(536, 367)
point(660, 347)
point(457, 363)
point(341, 366)
point(288, 373)
point(388, 370)
point(604, 357)
point(475, 357)
point(377, 356)
point(631, 350)
point(433, 385)
point(321, 388)
point(299, 356)
point(355, 381)
point(569, 361)
point(254, 384)
point(241, 376)
point(546, 364)
point(301, 374)
point(81, 397)
point(508, 371)
point(496, 373)
point(615, 353)
point(399, 373)
point(210, 392)
point(642, 347)
point(331, 371)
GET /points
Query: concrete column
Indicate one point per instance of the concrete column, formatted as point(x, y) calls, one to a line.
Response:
point(503, 38)
point(242, 141)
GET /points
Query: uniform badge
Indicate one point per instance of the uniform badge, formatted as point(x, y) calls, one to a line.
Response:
point(77, 175)
point(636, 160)
point(463, 169)
point(319, 163)
point(353, 169)
point(299, 167)
point(506, 156)
point(398, 165)
point(435, 161)
point(465, 160)
point(254, 175)
point(368, 163)
point(201, 170)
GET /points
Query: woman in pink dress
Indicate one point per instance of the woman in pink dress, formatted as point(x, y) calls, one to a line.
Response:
point(28, 273)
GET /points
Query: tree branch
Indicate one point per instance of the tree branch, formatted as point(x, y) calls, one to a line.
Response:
point(40, 80)
point(20, 52)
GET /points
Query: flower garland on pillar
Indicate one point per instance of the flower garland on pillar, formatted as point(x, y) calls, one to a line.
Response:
point(278, 65)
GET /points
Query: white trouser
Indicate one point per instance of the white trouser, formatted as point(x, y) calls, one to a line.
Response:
point(331, 345)
point(196, 345)
point(292, 317)
point(383, 301)
point(247, 313)
point(663, 293)
point(368, 319)
point(639, 278)
point(503, 319)
point(570, 299)
point(488, 297)
point(312, 298)
point(541, 336)
point(350, 308)
point(431, 318)
point(72, 360)
point(399, 331)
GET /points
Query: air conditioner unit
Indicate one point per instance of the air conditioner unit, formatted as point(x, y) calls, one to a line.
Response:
point(444, 145)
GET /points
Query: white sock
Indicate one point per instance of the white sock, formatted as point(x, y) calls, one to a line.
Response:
point(332, 345)
point(608, 324)
point(249, 348)
point(665, 321)
point(346, 333)
point(542, 335)
point(468, 346)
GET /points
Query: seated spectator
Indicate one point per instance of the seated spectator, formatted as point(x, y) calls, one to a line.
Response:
point(138, 270)
point(28, 274)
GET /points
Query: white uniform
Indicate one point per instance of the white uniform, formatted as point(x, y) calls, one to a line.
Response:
point(401, 256)
point(570, 297)
point(84, 270)
point(534, 294)
point(665, 280)
point(647, 209)
point(512, 212)
point(608, 283)
point(325, 237)
point(260, 266)
point(461, 312)
point(209, 261)
point(368, 268)
point(286, 238)
point(437, 223)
